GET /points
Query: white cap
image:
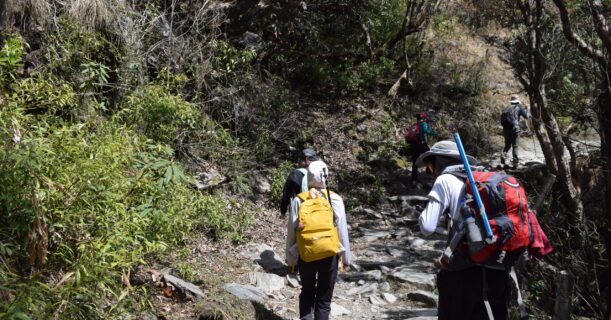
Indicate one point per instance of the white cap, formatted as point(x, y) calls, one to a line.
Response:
point(317, 172)
point(515, 100)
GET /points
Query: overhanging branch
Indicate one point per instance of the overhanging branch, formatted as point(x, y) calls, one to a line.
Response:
point(575, 39)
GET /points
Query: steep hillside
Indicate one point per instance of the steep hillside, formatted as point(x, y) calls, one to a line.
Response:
point(145, 145)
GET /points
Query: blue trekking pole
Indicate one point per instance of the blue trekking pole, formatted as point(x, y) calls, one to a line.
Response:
point(478, 199)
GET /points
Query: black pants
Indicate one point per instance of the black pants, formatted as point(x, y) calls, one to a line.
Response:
point(317, 284)
point(461, 294)
point(416, 149)
point(512, 135)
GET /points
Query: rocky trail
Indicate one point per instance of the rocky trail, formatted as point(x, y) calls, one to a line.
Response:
point(393, 276)
point(394, 267)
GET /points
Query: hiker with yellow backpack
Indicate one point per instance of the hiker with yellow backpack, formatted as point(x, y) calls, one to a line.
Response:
point(317, 242)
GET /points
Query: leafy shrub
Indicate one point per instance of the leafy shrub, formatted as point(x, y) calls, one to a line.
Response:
point(464, 79)
point(230, 59)
point(159, 114)
point(44, 93)
point(85, 58)
point(93, 200)
point(11, 57)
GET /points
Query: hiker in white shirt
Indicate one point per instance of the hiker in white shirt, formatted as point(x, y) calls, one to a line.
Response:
point(460, 283)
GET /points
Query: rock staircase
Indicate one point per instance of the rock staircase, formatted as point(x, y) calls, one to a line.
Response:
point(393, 276)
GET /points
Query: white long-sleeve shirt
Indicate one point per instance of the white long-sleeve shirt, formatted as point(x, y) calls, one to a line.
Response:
point(446, 193)
point(292, 252)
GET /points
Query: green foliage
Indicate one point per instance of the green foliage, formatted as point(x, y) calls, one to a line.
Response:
point(107, 197)
point(94, 73)
point(324, 45)
point(229, 59)
point(85, 58)
point(11, 57)
point(159, 114)
point(361, 76)
point(277, 183)
point(241, 184)
point(444, 24)
point(73, 46)
point(465, 79)
point(44, 93)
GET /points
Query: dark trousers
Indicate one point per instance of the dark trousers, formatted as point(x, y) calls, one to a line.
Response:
point(512, 135)
point(317, 284)
point(461, 294)
point(416, 149)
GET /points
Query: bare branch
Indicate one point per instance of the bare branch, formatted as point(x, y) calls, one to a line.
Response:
point(574, 38)
point(367, 38)
point(600, 23)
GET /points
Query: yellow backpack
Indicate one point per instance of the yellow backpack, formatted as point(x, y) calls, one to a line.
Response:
point(317, 236)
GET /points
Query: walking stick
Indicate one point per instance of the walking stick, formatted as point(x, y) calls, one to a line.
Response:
point(490, 238)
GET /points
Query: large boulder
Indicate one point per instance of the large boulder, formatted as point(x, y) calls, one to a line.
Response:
point(246, 292)
point(267, 282)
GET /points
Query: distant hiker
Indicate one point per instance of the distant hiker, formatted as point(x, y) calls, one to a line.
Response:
point(472, 282)
point(416, 138)
point(317, 241)
point(510, 120)
point(297, 180)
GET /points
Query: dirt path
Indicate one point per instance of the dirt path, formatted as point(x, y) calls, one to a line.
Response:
point(394, 273)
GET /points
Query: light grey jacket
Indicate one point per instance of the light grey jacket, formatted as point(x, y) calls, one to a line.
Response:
point(292, 252)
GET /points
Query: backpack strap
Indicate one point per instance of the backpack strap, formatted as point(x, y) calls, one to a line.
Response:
point(485, 294)
point(521, 305)
point(304, 180)
point(453, 242)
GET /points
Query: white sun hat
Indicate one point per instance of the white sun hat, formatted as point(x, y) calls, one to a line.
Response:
point(515, 100)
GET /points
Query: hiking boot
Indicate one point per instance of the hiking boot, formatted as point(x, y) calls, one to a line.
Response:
point(503, 156)
point(515, 163)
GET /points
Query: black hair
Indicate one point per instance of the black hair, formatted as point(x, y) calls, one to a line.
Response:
point(442, 162)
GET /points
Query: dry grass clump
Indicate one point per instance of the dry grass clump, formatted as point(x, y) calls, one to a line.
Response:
point(96, 14)
point(21, 12)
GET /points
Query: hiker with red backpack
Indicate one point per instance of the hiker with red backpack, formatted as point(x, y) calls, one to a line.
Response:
point(317, 242)
point(484, 239)
point(416, 139)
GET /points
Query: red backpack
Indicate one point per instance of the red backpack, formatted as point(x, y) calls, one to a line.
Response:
point(411, 135)
point(512, 222)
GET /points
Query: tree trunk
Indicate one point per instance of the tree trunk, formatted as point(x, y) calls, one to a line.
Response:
point(601, 57)
point(571, 194)
point(547, 188)
point(542, 136)
point(604, 117)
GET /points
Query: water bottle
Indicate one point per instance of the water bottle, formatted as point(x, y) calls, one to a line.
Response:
point(474, 235)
